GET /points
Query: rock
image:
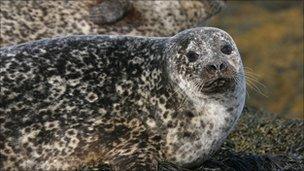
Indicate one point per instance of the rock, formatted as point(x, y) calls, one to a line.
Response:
point(261, 133)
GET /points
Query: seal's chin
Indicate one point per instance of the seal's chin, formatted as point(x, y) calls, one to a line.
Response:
point(218, 85)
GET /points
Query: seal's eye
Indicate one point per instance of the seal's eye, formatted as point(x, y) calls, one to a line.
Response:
point(226, 49)
point(192, 56)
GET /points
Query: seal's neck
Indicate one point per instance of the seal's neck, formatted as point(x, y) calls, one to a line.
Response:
point(208, 119)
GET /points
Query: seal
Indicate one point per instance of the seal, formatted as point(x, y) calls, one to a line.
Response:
point(126, 102)
point(23, 21)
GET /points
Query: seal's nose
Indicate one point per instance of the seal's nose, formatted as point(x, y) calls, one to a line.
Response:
point(216, 66)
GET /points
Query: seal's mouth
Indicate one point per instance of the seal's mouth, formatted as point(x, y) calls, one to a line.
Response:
point(218, 85)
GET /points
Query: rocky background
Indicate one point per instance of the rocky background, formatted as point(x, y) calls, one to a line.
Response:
point(270, 38)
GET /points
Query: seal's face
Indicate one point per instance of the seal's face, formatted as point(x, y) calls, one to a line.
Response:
point(207, 71)
point(206, 60)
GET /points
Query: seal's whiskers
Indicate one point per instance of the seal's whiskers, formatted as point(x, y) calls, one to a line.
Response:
point(238, 82)
point(252, 81)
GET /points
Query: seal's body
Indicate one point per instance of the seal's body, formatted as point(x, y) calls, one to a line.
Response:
point(129, 102)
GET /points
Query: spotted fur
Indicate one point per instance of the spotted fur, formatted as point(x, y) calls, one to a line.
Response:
point(23, 21)
point(128, 102)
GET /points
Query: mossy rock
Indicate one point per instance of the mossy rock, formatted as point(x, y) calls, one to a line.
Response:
point(261, 133)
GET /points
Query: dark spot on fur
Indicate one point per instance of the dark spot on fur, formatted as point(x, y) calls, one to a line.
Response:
point(182, 124)
point(29, 149)
point(174, 115)
point(211, 125)
point(12, 159)
point(8, 124)
point(162, 100)
point(166, 114)
point(203, 125)
point(25, 144)
point(51, 125)
point(186, 134)
point(170, 124)
point(92, 97)
point(108, 126)
point(198, 145)
point(156, 138)
point(63, 153)
point(32, 140)
point(230, 109)
point(39, 150)
point(71, 132)
point(189, 114)
point(142, 144)
point(27, 130)
point(7, 151)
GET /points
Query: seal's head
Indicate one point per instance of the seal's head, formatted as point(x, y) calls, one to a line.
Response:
point(205, 60)
point(207, 71)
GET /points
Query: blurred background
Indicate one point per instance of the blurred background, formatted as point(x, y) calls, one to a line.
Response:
point(269, 35)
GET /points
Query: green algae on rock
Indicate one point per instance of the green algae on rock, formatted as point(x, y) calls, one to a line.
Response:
point(260, 133)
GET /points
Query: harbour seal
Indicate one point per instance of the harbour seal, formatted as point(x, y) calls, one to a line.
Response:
point(128, 102)
point(23, 21)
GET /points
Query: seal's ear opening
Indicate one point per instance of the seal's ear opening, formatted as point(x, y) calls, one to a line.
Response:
point(192, 56)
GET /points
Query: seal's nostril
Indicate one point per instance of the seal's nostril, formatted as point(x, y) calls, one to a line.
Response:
point(223, 66)
point(217, 67)
point(211, 67)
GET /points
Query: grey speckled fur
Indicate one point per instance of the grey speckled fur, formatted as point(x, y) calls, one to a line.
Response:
point(23, 21)
point(128, 102)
